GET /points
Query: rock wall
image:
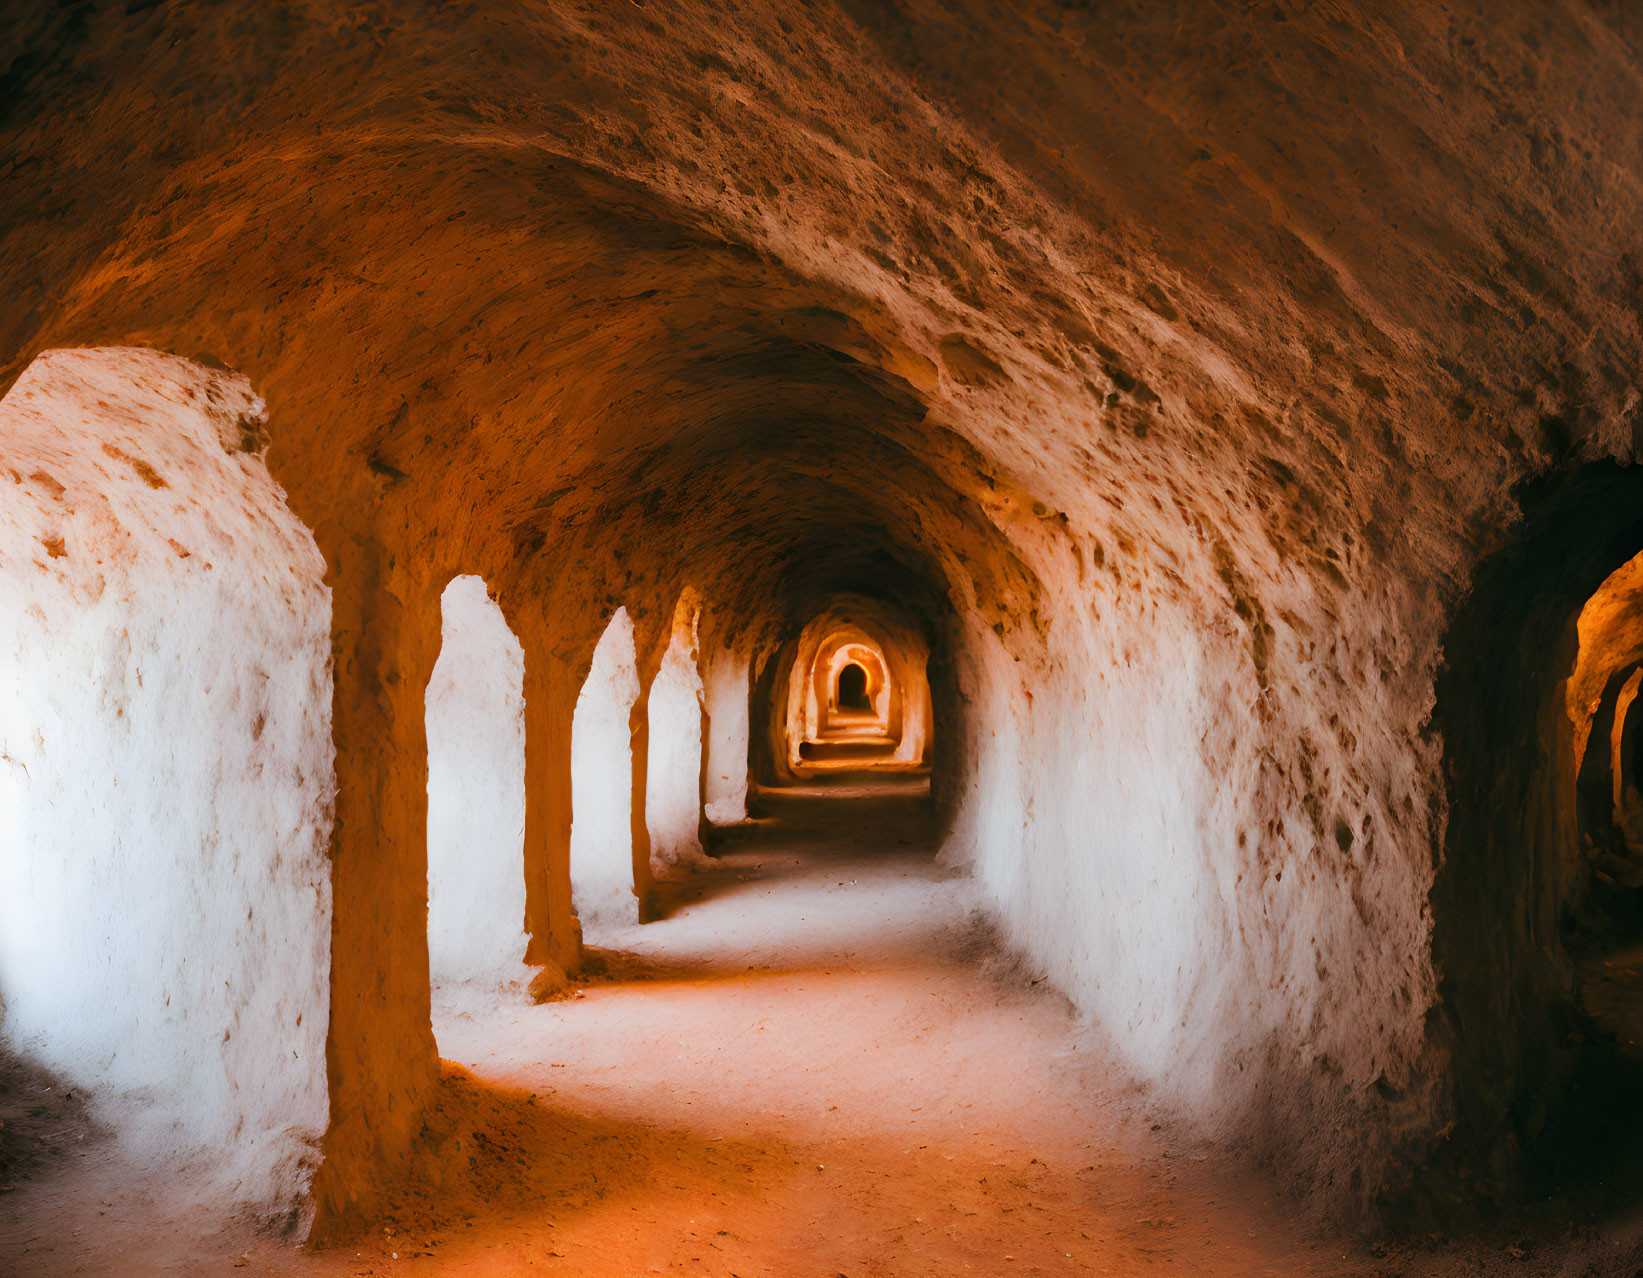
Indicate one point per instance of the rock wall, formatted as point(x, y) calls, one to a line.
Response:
point(165, 770)
point(1176, 832)
point(1182, 380)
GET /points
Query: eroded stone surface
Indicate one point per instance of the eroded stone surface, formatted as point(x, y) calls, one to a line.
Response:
point(1176, 371)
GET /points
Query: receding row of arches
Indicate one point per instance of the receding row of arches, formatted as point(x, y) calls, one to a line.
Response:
point(170, 770)
point(173, 786)
point(656, 771)
point(168, 779)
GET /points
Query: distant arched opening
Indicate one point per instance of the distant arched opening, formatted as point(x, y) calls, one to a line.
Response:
point(853, 688)
point(850, 692)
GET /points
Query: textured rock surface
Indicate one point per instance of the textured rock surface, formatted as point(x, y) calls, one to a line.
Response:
point(165, 771)
point(1175, 373)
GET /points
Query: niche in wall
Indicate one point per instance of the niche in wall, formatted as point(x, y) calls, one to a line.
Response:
point(476, 792)
point(601, 865)
point(166, 769)
point(673, 790)
point(1531, 888)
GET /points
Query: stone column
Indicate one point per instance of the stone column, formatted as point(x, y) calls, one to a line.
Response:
point(651, 634)
point(381, 1059)
point(644, 882)
point(550, 916)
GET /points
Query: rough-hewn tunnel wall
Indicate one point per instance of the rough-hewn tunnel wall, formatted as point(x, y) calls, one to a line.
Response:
point(1234, 915)
point(1184, 364)
point(165, 770)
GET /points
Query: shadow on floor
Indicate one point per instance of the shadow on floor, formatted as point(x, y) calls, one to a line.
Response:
point(42, 1118)
point(494, 1160)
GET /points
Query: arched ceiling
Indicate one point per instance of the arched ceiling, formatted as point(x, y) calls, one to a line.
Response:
point(890, 284)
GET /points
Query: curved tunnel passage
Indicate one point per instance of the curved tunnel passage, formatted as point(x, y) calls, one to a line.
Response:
point(1214, 429)
point(889, 726)
point(1528, 908)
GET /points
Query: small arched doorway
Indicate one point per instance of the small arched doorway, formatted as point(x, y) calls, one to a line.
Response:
point(853, 689)
point(1531, 901)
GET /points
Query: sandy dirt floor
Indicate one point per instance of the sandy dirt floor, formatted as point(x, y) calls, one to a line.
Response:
point(818, 1064)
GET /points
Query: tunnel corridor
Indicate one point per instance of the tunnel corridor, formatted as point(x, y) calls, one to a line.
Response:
point(801, 1065)
point(858, 638)
point(797, 1071)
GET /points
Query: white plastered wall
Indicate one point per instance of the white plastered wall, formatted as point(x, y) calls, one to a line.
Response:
point(673, 790)
point(601, 837)
point(476, 793)
point(1187, 841)
point(165, 769)
point(726, 689)
point(913, 744)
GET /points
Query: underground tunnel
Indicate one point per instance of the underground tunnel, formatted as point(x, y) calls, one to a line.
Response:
point(848, 639)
